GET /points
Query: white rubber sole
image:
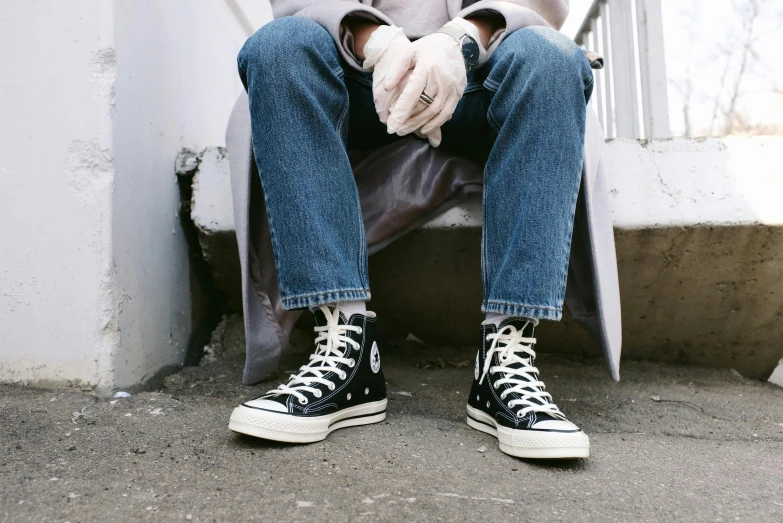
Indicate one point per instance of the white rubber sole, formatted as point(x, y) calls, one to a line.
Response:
point(531, 443)
point(279, 426)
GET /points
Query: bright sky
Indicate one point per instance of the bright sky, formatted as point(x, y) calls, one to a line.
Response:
point(695, 34)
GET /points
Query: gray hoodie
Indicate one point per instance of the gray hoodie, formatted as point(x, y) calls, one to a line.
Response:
point(422, 17)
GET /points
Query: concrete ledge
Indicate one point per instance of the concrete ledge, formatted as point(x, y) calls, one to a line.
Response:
point(699, 232)
point(212, 212)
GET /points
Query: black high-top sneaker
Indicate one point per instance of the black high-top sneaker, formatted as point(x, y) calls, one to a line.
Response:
point(509, 401)
point(341, 386)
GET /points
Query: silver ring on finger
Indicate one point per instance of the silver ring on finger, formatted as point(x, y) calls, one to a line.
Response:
point(426, 98)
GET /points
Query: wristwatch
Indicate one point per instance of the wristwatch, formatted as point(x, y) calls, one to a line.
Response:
point(472, 51)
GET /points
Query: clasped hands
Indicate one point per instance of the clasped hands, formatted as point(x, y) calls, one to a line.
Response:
point(403, 70)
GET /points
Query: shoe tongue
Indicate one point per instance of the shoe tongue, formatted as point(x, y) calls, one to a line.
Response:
point(320, 317)
point(528, 330)
point(520, 324)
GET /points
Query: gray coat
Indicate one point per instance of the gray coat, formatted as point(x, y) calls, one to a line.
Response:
point(592, 293)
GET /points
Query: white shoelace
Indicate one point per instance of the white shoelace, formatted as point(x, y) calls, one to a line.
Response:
point(331, 338)
point(514, 348)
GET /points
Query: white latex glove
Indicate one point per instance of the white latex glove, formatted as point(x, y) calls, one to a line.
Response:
point(389, 54)
point(439, 69)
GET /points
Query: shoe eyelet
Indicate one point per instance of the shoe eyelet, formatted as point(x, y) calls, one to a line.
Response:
point(487, 404)
point(303, 401)
point(519, 414)
point(331, 386)
point(349, 396)
point(366, 391)
point(478, 397)
point(360, 330)
point(495, 386)
point(509, 405)
point(343, 376)
point(352, 363)
point(318, 394)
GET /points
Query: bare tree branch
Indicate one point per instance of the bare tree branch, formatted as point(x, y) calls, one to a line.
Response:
point(749, 24)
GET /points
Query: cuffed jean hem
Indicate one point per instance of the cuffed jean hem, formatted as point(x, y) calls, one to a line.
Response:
point(527, 311)
point(335, 296)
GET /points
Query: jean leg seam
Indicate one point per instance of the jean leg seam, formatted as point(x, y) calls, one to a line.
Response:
point(567, 247)
point(272, 236)
point(484, 257)
point(341, 122)
point(493, 89)
point(363, 277)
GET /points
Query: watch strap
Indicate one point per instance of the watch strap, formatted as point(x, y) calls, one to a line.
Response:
point(454, 31)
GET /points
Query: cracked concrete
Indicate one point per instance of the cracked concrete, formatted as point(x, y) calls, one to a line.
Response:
point(668, 443)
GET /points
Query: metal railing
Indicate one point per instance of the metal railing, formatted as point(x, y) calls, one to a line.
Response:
point(630, 93)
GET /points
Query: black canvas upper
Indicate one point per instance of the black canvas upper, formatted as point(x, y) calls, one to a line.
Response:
point(361, 385)
point(486, 398)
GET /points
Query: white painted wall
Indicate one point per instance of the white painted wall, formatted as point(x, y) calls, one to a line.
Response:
point(176, 84)
point(56, 174)
point(96, 99)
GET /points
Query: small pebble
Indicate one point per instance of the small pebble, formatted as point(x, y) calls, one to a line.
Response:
point(482, 449)
point(122, 394)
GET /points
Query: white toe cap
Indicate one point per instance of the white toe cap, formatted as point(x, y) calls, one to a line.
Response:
point(554, 424)
point(266, 404)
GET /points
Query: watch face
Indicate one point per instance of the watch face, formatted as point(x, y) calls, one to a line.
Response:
point(470, 51)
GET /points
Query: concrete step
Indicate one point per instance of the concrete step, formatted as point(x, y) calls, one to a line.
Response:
point(699, 233)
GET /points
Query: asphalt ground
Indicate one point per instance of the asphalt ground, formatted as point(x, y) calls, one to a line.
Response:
point(667, 443)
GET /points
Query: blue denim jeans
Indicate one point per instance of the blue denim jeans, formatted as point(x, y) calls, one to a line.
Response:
point(523, 113)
